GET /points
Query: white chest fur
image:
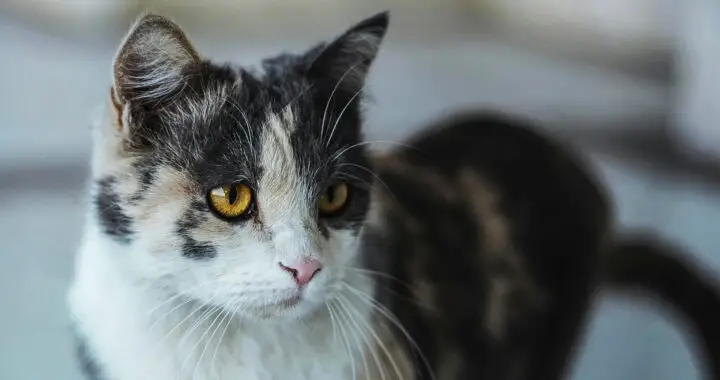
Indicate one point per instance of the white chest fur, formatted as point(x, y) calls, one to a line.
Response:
point(133, 339)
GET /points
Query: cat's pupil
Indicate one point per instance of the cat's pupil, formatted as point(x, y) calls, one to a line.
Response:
point(329, 194)
point(232, 194)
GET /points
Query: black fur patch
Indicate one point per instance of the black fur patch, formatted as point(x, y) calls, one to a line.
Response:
point(115, 222)
point(191, 248)
point(194, 250)
point(146, 174)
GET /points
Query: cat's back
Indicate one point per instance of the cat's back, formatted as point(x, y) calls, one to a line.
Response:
point(485, 225)
point(479, 164)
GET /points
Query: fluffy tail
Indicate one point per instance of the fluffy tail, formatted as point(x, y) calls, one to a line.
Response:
point(646, 263)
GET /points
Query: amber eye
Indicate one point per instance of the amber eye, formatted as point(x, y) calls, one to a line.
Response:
point(334, 199)
point(231, 201)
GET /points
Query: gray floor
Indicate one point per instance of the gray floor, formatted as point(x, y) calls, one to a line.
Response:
point(50, 85)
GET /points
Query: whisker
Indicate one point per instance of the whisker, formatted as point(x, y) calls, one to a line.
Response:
point(341, 325)
point(366, 367)
point(390, 357)
point(385, 312)
point(332, 321)
point(247, 129)
point(332, 93)
point(178, 295)
point(342, 112)
point(224, 315)
point(185, 319)
point(355, 178)
point(364, 336)
point(377, 177)
point(363, 143)
point(200, 321)
point(222, 335)
point(370, 273)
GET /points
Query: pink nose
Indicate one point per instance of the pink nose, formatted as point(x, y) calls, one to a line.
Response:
point(302, 270)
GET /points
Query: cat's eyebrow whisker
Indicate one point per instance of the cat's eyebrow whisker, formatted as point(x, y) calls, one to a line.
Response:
point(247, 130)
point(362, 143)
point(342, 112)
point(332, 93)
point(377, 177)
point(244, 131)
point(349, 309)
point(355, 178)
point(386, 313)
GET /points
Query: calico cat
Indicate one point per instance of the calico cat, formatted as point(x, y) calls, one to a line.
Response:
point(240, 229)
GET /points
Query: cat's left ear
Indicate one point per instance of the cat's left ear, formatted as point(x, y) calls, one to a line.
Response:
point(346, 61)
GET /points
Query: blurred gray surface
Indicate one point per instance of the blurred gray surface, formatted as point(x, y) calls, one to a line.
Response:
point(51, 87)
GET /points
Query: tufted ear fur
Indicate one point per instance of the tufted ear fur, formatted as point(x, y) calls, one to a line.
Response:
point(153, 65)
point(346, 61)
point(153, 61)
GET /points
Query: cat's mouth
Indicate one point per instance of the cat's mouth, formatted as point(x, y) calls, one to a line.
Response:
point(294, 306)
point(288, 302)
point(280, 306)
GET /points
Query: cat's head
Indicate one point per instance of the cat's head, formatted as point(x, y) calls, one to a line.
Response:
point(245, 190)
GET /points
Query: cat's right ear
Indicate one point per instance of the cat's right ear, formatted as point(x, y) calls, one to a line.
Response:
point(152, 65)
point(153, 61)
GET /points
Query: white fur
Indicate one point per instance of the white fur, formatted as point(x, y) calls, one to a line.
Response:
point(116, 315)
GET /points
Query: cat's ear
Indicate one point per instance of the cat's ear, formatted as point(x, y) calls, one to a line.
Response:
point(153, 62)
point(346, 61)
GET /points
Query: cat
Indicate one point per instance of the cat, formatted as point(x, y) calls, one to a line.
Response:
point(239, 228)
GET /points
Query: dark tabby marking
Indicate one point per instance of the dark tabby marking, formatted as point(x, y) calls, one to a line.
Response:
point(111, 216)
point(495, 237)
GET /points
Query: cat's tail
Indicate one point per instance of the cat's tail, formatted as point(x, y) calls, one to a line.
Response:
point(646, 263)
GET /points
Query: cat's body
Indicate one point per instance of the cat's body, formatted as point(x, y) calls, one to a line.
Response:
point(485, 217)
point(239, 230)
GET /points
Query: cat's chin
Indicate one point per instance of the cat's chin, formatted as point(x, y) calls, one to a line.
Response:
point(288, 310)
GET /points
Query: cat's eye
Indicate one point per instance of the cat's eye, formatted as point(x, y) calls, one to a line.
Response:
point(231, 201)
point(334, 199)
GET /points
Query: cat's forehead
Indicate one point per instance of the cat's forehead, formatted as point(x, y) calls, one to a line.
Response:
point(238, 124)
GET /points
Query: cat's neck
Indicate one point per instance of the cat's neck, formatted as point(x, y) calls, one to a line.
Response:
point(123, 317)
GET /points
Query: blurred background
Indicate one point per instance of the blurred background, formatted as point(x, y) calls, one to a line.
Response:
point(634, 83)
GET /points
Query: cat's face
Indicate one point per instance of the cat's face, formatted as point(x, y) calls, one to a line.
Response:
point(235, 189)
